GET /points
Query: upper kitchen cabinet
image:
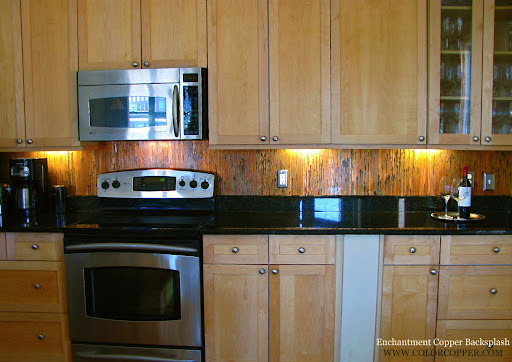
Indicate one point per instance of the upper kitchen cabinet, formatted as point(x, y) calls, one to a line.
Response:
point(12, 113)
point(269, 72)
point(497, 74)
point(125, 34)
point(40, 86)
point(379, 72)
point(456, 72)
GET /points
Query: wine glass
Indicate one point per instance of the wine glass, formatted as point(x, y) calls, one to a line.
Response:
point(445, 190)
point(454, 187)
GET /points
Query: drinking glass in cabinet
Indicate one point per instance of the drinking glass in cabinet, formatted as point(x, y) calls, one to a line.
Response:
point(455, 66)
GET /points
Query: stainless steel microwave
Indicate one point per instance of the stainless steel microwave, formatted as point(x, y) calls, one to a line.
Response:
point(142, 104)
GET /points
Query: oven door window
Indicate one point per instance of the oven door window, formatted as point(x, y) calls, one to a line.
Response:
point(128, 112)
point(132, 293)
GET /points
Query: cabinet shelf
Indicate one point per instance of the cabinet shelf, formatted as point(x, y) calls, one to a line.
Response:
point(457, 8)
point(503, 99)
point(454, 98)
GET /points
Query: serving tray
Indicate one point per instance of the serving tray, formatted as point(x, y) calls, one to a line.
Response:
point(454, 216)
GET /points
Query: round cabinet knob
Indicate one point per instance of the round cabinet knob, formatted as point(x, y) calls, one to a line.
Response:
point(135, 64)
point(476, 138)
point(35, 246)
point(40, 337)
point(275, 138)
point(494, 291)
point(412, 250)
point(263, 138)
point(37, 286)
point(487, 139)
point(496, 250)
point(262, 271)
point(116, 184)
point(19, 141)
point(181, 183)
point(274, 271)
point(146, 64)
point(193, 184)
point(302, 250)
point(205, 185)
point(105, 185)
point(421, 138)
point(433, 272)
point(234, 250)
point(29, 141)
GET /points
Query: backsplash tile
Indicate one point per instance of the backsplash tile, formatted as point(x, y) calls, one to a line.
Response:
point(254, 172)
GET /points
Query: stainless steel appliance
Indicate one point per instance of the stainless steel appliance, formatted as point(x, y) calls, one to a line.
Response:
point(133, 270)
point(142, 104)
point(29, 180)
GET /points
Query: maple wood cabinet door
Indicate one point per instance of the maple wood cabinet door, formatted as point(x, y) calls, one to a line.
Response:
point(238, 72)
point(173, 33)
point(301, 312)
point(109, 35)
point(49, 39)
point(299, 58)
point(379, 72)
point(12, 113)
point(236, 312)
point(409, 305)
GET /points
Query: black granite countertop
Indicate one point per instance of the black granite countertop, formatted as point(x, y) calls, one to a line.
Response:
point(311, 215)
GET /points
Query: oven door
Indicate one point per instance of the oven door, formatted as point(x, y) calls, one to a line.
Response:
point(134, 298)
point(129, 112)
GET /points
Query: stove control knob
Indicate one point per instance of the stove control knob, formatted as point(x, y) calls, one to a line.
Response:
point(105, 185)
point(193, 184)
point(205, 185)
point(116, 184)
point(182, 183)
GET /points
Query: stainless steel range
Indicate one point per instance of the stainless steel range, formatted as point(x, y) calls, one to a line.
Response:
point(133, 270)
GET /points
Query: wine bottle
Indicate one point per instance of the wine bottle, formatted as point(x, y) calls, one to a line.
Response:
point(465, 195)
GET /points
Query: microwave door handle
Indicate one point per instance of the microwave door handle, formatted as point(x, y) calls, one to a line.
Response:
point(127, 357)
point(175, 111)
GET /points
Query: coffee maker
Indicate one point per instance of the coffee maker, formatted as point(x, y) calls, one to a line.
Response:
point(29, 182)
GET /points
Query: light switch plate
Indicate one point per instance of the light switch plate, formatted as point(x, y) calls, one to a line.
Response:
point(282, 178)
point(489, 182)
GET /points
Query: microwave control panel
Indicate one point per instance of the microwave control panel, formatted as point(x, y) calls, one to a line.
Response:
point(156, 184)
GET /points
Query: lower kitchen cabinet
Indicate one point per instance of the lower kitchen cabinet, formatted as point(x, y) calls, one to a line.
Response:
point(409, 303)
point(462, 283)
point(236, 312)
point(461, 330)
point(40, 337)
point(33, 308)
point(262, 312)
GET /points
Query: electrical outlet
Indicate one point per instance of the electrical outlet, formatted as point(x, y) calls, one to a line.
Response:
point(282, 178)
point(489, 182)
point(471, 178)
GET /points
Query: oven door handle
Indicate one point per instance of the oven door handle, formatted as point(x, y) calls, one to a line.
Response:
point(130, 247)
point(127, 357)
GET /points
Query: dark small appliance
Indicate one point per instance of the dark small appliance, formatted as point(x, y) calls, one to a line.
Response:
point(29, 181)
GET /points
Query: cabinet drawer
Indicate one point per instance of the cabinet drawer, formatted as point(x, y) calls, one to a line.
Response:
point(3, 252)
point(476, 249)
point(408, 249)
point(460, 330)
point(235, 249)
point(41, 337)
point(32, 287)
point(34, 246)
point(302, 249)
point(475, 292)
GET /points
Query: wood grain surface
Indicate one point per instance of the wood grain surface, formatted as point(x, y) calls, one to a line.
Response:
point(253, 172)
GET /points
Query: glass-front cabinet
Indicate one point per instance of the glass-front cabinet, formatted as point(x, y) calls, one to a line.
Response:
point(497, 73)
point(455, 72)
point(470, 73)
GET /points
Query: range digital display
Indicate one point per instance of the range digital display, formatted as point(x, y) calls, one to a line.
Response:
point(154, 183)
